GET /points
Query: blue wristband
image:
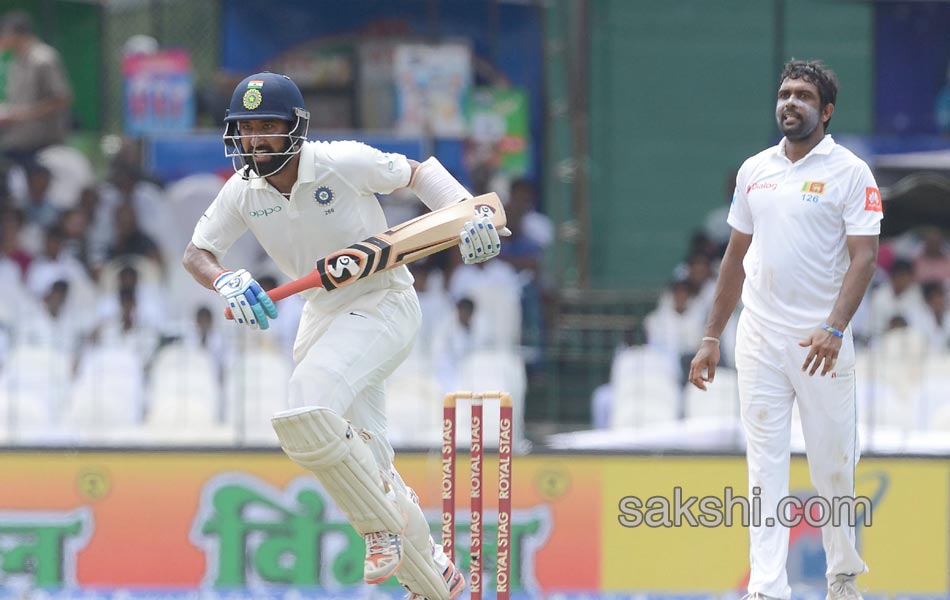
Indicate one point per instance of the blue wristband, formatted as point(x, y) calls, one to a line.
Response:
point(832, 330)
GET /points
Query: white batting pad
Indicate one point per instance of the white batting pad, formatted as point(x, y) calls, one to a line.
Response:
point(322, 442)
point(423, 561)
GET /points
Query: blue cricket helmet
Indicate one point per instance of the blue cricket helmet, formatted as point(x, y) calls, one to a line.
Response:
point(265, 96)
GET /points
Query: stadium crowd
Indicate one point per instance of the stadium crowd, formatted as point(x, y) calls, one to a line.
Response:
point(103, 319)
point(96, 271)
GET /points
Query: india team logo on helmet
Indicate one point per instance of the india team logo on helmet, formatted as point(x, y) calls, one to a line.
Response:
point(252, 99)
point(265, 96)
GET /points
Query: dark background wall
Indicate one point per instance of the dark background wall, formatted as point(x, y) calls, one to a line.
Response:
point(912, 59)
point(681, 94)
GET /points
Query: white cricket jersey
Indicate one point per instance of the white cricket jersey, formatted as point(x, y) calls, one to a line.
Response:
point(799, 215)
point(331, 206)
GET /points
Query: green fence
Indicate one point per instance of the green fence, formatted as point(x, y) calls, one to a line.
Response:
point(681, 93)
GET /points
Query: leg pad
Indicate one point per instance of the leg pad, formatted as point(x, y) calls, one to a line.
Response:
point(324, 443)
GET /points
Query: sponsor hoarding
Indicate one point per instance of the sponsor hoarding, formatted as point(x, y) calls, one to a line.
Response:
point(253, 524)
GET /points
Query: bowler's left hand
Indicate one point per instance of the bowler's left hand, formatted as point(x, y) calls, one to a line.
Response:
point(824, 349)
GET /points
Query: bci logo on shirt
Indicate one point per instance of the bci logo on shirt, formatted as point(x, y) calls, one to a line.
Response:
point(265, 212)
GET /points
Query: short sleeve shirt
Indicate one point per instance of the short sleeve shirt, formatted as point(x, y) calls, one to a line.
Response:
point(799, 215)
point(332, 205)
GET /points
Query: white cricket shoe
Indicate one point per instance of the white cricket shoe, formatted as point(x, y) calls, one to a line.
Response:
point(843, 588)
point(383, 556)
point(758, 596)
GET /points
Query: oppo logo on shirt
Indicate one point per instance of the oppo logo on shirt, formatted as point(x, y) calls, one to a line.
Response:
point(265, 212)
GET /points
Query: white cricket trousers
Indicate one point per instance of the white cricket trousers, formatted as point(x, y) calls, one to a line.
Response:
point(769, 366)
point(343, 359)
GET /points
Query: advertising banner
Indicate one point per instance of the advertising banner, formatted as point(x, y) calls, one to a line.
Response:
point(498, 118)
point(431, 84)
point(254, 525)
point(158, 92)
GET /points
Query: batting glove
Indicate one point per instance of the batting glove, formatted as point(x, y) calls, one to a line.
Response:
point(479, 240)
point(249, 303)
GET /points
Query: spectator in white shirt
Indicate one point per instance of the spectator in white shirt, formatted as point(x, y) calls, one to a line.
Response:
point(54, 324)
point(128, 331)
point(205, 335)
point(901, 296)
point(39, 211)
point(934, 322)
point(11, 281)
point(436, 305)
point(127, 185)
point(149, 301)
point(673, 328)
point(56, 263)
point(454, 339)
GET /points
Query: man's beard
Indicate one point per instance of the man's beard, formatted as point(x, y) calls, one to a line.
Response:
point(268, 163)
point(808, 119)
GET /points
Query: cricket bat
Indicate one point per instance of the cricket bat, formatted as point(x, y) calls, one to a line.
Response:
point(417, 238)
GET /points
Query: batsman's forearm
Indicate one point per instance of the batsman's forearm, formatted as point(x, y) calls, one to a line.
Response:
point(202, 265)
point(726, 297)
point(853, 288)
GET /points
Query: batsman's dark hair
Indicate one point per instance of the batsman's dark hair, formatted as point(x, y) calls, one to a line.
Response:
point(816, 72)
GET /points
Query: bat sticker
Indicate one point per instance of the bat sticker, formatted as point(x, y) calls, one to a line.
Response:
point(484, 210)
point(340, 268)
point(385, 248)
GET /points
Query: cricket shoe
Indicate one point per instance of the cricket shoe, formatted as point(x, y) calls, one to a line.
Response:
point(843, 588)
point(453, 579)
point(383, 556)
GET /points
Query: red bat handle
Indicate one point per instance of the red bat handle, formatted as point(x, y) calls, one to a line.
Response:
point(288, 289)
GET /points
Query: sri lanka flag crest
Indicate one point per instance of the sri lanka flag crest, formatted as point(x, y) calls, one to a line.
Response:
point(814, 187)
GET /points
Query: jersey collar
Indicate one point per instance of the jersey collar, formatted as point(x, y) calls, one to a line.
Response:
point(825, 146)
point(306, 169)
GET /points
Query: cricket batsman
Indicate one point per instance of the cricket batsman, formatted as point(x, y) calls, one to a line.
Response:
point(303, 200)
